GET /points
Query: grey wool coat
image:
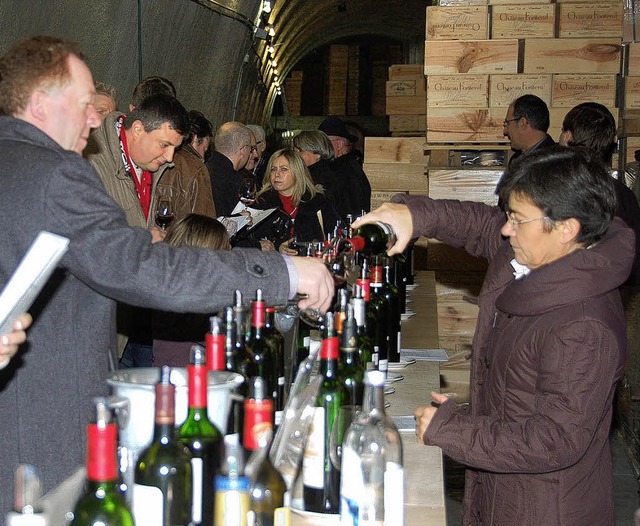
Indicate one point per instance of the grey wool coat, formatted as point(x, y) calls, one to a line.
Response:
point(46, 391)
point(547, 353)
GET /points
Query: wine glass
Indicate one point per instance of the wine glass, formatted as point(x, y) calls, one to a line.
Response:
point(165, 213)
point(346, 415)
point(247, 192)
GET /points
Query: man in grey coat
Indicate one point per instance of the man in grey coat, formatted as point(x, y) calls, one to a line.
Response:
point(46, 390)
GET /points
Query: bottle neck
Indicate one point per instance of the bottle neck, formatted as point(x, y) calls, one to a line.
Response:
point(101, 453)
point(376, 276)
point(373, 400)
point(198, 384)
point(258, 317)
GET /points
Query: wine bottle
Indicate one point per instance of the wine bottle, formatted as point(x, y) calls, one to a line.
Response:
point(371, 325)
point(365, 347)
point(373, 238)
point(304, 342)
point(233, 362)
point(379, 307)
point(258, 414)
point(267, 488)
point(201, 436)
point(372, 489)
point(400, 279)
point(340, 309)
point(231, 486)
point(162, 489)
point(215, 345)
point(260, 358)
point(102, 503)
point(320, 479)
point(394, 320)
point(350, 370)
point(275, 341)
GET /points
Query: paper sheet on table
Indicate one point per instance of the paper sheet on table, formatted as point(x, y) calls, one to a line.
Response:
point(30, 276)
point(257, 216)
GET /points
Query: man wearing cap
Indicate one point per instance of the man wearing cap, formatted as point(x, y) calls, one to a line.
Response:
point(346, 165)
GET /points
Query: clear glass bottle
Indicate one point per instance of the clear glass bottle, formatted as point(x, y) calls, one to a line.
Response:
point(102, 503)
point(162, 490)
point(231, 486)
point(202, 437)
point(372, 488)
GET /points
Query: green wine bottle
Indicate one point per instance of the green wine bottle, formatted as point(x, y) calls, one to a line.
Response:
point(102, 503)
point(203, 439)
point(162, 489)
point(373, 238)
point(350, 370)
point(275, 341)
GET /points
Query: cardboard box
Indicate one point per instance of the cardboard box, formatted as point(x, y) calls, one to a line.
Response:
point(457, 23)
point(590, 20)
point(471, 56)
point(455, 125)
point(572, 55)
point(504, 89)
point(457, 91)
point(570, 90)
point(523, 21)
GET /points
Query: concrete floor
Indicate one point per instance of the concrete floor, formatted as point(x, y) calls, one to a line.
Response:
point(625, 483)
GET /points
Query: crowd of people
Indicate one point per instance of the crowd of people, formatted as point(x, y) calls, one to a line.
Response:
point(549, 346)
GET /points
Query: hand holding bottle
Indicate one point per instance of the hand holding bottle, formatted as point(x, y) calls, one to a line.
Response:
point(424, 414)
point(314, 280)
point(9, 342)
point(398, 217)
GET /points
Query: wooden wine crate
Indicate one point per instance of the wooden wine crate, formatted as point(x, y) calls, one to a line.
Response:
point(590, 20)
point(410, 177)
point(570, 90)
point(457, 321)
point(457, 23)
point(406, 88)
point(473, 156)
point(461, 3)
point(516, 2)
point(404, 150)
point(632, 92)
point(523, 21)
point(406, 72)
point(572, 55)
point(382, 196)
point(465, 184)
point(408, 123)
point(632, 58)
point(454, 125)
point(406, 105)
point(504, 89)
point(457, 91)
point(471, 56)
point(631, 144)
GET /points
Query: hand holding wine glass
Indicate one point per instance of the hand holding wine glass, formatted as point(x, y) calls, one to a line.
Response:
point(247, 191)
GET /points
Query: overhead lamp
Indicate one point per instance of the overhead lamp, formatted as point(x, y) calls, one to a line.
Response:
point(275, 77)
point(274, 63)
point(271, 50)
point(275, 71)
point(271, 31)
point(266, 6)
point(276, 84)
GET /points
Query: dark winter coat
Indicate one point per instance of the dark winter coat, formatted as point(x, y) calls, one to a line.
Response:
point(547, 353)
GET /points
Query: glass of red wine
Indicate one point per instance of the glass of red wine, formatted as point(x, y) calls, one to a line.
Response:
point(165, 213)
point(247, 192)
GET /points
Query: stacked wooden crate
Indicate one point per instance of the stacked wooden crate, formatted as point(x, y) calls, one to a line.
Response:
point(406, 100)
point(293, 89)
point(630, 118)
point(337, 69)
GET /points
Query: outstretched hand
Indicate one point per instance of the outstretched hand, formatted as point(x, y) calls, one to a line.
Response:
point(315, 281)
point(396, 215)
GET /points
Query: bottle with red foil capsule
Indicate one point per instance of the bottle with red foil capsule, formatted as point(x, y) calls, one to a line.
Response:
point(373, 238)
point(258, 415)
point(379, 307)
point(102, 502)
point(258, 350)
point(202, 437)
point(320, 478)
point(215, 344)
point(275, 341)
point(162, 489)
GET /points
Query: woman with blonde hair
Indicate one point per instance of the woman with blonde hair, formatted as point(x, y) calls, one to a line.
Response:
point(174, 333)
point(304, 212)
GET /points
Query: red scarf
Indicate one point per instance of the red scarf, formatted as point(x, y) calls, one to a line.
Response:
point(287, 205)
point(144, 184)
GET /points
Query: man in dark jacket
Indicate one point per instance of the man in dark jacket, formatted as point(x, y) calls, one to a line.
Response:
point(47, 389)
point(549, 346)
point(347, 166)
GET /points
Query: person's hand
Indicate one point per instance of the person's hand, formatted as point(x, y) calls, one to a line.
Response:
point(248, 215)
point(396, 215)
point(267, 245)
point(157, 234)
point(314, 280)
point(285, 249)
point(9, 342)
point(424, 414)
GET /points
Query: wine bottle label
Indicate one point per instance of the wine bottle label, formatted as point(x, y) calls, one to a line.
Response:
point(232, 505)
point(375, 356)
point(358, 503)
point(383, 365)
point(393, 494)
point(147, 508)
point(314, 451)
point(282, 517)
point(197, 470)
point(399, 342)
point(314, 345)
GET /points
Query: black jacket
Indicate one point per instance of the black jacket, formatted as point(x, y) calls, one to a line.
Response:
point(358, 194)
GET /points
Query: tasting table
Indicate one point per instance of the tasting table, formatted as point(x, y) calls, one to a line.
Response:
point(424, 482)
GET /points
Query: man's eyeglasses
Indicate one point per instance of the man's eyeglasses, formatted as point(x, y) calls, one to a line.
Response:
point(253, 149)
point(515, 223)
point(506, 122)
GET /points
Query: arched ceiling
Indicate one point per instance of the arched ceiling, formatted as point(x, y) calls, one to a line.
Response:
point(304, 25)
